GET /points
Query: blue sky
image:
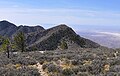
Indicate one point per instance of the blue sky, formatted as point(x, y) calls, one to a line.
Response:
point(76, 13)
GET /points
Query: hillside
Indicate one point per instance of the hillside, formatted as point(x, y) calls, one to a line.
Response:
point(50, 39)
point(9, 29)
point(38, 38)
point(80, 62)
point(82, 57)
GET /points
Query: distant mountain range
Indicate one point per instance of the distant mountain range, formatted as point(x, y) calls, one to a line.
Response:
point(9, 29)
point(108, 39)
point(38, 38)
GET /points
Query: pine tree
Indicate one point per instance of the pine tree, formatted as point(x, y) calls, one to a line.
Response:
point(6, 45)
point(20, 41)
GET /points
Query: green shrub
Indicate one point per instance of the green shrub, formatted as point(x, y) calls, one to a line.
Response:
point(67, 72)
point(75, 70)
point(75, 62)
point(83, 74)
point(63, 45)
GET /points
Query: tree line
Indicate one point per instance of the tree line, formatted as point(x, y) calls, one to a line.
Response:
point(17, 43)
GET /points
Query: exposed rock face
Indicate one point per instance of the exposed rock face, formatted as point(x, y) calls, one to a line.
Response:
point(40, 39)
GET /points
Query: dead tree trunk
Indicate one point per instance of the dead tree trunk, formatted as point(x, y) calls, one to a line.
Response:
point(8, 54)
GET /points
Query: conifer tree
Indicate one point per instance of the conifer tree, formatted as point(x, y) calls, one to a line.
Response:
point(20, 41)
point(6, 45)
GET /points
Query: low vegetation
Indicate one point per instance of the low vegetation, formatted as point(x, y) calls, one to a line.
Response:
point(81, 62)
point(66, 54)
point(63, 45)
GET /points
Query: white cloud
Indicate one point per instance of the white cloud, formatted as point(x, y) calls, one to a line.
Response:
point(99, 35)
point(56, 16)
point(111, 33)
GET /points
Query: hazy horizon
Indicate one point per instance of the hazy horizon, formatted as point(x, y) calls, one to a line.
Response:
point(103, 15)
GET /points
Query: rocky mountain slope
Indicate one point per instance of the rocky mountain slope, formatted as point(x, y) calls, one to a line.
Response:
point(9, 29)
point(28, 29)
point(50, 39)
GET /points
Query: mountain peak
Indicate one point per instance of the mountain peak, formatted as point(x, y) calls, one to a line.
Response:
point(9, 29)
point(62, 26)
point(59, 27)
point(51, 39)
point(6, 23)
